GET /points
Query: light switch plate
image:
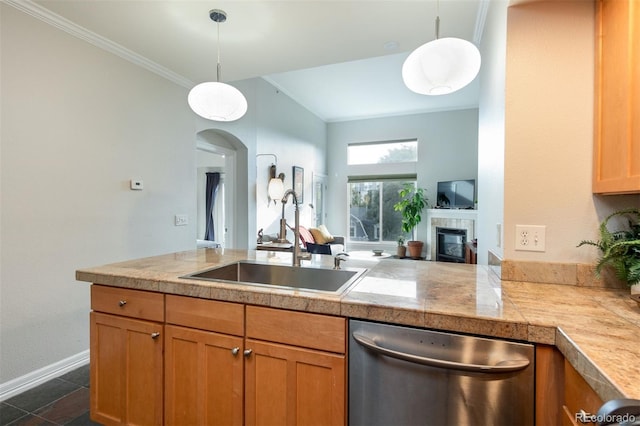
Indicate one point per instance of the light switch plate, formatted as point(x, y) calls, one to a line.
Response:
point(181, 220)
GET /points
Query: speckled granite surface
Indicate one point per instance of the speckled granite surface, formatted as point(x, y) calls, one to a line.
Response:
point(596, 329)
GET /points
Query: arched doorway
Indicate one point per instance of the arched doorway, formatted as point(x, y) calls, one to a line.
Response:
point(220, 151)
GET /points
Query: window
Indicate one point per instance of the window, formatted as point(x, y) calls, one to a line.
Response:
point(371, 214)
point(382, 152)
point(377, 171)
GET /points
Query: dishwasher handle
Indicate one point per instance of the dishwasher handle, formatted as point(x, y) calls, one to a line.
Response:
point(507, 366)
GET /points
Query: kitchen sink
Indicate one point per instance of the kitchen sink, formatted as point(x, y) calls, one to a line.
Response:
point(264, 274)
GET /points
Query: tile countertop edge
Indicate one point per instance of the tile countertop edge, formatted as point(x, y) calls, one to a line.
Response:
point(591, 373)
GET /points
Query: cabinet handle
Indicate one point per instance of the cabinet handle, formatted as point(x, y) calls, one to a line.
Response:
point(155, 335)
point(235, 351)
point(247, 352)
point(122, 303)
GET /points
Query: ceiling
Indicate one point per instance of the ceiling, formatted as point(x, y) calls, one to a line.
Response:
point(340, 59)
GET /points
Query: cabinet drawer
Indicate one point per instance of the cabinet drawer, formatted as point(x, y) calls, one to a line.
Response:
point(313, 331)
point(129, 303)
point(211, 315)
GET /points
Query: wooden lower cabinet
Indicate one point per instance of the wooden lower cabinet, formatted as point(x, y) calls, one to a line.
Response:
point(286, 385)
point(549, 385)
point(578, 396)
point(203, 377)
point(126, 370)
point(561, 393)
point(176, 360)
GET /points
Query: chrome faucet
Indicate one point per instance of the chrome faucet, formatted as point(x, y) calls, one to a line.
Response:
point(338, 258)
point(297, 256)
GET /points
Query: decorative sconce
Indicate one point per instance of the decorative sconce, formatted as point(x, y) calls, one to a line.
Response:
point(275, 187)
point(276, 184)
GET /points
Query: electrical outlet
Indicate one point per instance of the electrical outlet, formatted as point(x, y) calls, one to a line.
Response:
point(530, 237)
point(181, 220)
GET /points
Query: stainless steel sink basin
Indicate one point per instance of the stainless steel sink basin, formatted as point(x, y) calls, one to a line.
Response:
point(306, 278)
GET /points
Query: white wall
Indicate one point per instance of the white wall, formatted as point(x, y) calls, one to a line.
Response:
point(297, 138)
point(77, 124)
point(490, 188)
point(447, 150)
point(549, 130)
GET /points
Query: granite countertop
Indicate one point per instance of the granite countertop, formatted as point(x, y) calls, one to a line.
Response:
point(596, 329)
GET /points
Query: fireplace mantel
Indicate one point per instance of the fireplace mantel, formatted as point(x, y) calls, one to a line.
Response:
point(449, 218)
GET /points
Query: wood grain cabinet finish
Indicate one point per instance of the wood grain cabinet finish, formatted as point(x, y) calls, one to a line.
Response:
point(561, 393)
point(617, 98)
point(296, 368)
point(578, 395)
point(179, 360)
point(549, 385)
point(126, 356)
point(203, 362)
point(203, 378)
point(126, 370)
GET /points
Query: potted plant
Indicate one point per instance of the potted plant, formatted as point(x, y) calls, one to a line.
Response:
point(402, 250)
point(412, 202)
point(620, 249)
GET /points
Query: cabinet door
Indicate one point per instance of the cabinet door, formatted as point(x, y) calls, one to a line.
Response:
point(285, 385)
point(126, 370)
point(617, 98)
point(578, 396)
point(203, 378)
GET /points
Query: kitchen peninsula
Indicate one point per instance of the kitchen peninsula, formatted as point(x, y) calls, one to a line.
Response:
point(595, 330)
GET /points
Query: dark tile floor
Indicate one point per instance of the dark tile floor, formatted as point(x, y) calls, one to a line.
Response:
point(60, 401)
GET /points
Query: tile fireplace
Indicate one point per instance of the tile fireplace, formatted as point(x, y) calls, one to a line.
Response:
point(453, 219)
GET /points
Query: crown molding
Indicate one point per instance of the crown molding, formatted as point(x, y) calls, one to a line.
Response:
point(481, 18)
point(57, 21)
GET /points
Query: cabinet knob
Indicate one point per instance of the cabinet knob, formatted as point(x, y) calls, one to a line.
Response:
point(235, 351)
point(122, 303)
point(247, 352)
point(155, 335)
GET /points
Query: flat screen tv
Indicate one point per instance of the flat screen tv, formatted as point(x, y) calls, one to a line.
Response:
point(456, 194)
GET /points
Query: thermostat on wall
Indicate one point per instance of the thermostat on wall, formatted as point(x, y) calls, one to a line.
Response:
point(137, 184)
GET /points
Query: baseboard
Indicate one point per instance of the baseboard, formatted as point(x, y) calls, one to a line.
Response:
point(37, 377)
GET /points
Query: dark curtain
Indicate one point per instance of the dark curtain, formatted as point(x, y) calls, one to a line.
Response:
point(213, 180)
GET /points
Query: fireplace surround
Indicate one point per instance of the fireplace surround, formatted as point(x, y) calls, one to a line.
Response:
point(441, 218)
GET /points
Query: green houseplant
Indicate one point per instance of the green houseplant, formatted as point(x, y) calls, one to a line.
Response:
point(412, 201)
point(620, 249)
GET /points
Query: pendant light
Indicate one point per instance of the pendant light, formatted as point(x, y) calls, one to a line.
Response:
point(441, 66)
point(215, 100)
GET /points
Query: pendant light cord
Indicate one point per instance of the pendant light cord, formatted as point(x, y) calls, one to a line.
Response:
point(437, 19)
point(218, 67)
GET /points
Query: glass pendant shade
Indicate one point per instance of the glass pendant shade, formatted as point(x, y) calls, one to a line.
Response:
point(217, 101)
point(441, 66)
point(276, 189)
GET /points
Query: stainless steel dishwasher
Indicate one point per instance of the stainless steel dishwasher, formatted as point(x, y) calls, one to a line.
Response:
point(407, 376)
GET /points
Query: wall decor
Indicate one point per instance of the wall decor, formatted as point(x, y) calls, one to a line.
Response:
point(298, 183)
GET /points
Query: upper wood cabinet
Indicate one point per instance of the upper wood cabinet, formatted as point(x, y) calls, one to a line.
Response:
point(617, 98)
